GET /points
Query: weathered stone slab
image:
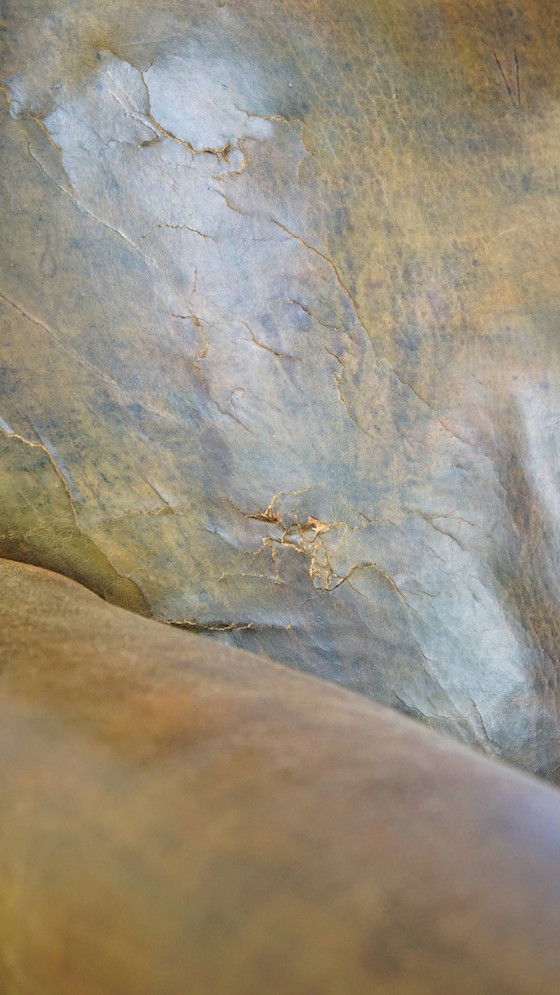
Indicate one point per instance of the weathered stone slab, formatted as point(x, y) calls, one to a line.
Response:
point(280, 353)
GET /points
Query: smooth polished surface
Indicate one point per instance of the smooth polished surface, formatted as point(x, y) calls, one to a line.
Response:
point(179, 816)
point(280, 346)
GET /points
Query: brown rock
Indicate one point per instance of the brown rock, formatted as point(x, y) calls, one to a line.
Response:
point(181, 816)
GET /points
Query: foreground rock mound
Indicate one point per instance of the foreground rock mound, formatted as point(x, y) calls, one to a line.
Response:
point(179, 815)
point(279, 354)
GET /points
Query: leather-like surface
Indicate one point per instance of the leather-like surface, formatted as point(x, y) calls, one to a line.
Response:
point(180, 816)
point(280, 319)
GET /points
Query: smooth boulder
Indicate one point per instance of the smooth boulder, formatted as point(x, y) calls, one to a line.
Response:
point(178, 815)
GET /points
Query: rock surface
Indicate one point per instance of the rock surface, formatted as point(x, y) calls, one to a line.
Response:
point(181, 816)
point(279, 358)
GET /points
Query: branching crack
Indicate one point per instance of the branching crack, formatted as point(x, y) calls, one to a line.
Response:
point(195, 626)
point(431, 519)
point(204, 347)
point(41, 324)
point(229, 204)
point(41, 445)
point(33, 117)
point(263, 117)
point(261, 345)
point(69, 193)
point(9, 99)
point(325, 259)
point(308, 539)
point(374, 566)
point(483, 726)
point(176, 228)
point(350, 298)
point(344, 402)
point(222, 153)
point(269, 514)
point(325, 324)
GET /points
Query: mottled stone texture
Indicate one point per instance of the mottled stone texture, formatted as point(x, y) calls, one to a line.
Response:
point(279, 360)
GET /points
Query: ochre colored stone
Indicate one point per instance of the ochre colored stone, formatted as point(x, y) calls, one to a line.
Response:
point(179, 816)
